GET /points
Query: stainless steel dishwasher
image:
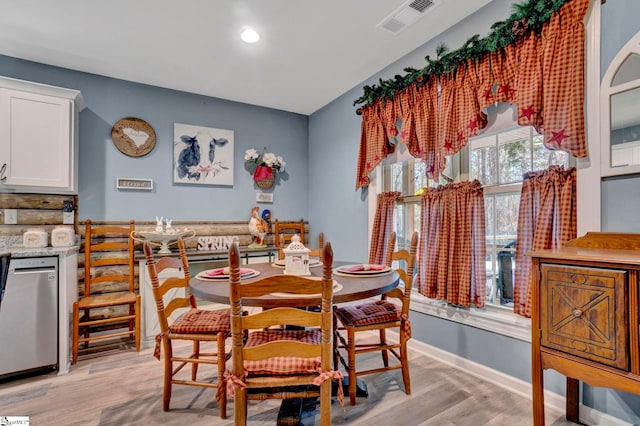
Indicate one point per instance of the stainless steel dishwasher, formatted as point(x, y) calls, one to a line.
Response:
point(29, 317)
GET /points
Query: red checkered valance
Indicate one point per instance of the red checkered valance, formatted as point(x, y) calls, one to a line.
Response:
point(542, 72)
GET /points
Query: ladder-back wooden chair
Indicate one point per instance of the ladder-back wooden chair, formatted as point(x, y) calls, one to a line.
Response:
point(282, 233)
point(173, 298)
point(380, 315)
point(314, 252)
point(108, 303)
point(263, 367)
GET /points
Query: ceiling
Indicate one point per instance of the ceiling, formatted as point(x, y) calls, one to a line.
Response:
point(310, 52)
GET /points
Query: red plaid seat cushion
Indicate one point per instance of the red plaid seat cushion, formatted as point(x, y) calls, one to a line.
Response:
point(198, 321)
point(283, 365)
point(377, 312)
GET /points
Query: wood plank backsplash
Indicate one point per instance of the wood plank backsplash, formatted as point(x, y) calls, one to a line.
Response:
point(35, 211)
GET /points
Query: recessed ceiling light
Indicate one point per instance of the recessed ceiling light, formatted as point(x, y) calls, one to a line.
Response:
point(249, 36)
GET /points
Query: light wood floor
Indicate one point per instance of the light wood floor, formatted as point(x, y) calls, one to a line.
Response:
point(125, 388)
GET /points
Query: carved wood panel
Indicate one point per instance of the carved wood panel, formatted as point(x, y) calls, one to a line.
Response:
point(586, 313)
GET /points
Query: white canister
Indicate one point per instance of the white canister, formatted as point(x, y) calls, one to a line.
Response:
point(62, 236)
point(35, 237)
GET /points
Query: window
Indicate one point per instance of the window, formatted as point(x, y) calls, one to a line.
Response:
point(620, 117)
point(498, 318)
point(498, 161)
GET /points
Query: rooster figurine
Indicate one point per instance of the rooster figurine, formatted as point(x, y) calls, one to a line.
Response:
point(257, 229)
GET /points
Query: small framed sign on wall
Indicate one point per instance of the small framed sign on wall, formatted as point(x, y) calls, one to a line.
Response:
point(134, 183)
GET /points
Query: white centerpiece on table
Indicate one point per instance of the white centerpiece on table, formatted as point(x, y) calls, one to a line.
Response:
point(296, 258)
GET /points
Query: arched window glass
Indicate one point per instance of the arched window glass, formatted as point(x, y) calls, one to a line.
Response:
point(620, 112)
point(628, 71)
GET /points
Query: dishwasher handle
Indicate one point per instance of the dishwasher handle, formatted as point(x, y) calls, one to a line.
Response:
point(51, 273)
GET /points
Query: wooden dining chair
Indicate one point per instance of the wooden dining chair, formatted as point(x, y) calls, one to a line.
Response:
point(314, 252)
point(180, 319)
point(283, 231)
point(108, 302)
point(263, 367)
point(381, 315)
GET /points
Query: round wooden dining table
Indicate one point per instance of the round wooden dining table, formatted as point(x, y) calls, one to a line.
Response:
point(347, 288)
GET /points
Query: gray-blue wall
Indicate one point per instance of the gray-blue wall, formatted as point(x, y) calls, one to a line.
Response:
point(620, 195)
point(100, 163)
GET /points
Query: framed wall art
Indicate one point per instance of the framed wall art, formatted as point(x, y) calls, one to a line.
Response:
point(202, 155)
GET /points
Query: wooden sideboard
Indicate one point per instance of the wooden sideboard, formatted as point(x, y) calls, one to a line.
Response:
point(585, 322)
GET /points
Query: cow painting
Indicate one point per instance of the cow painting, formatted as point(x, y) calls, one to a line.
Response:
point(203, 155)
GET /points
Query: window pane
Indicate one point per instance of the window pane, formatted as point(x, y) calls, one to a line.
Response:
point(514, 157)
point(483, 160)
point(489, 218)
point(399, 220)
point(419, 176)
point(543, 157)
point(628, 71)
point(507, 206)
point(396, 177)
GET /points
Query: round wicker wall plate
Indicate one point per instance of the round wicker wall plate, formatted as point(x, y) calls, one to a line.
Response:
point(133, 136)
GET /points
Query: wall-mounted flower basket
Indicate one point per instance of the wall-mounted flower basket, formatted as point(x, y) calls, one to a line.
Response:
point(266, 166)
point(264, 177)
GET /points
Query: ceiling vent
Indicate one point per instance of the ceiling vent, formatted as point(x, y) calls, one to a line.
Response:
point(406, 15)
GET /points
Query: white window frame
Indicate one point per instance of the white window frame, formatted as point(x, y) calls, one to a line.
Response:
point(502, 320)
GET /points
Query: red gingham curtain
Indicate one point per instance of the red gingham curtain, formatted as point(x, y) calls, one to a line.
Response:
point(374, 146)
point(563, 39)
point(408, 130)
point(448, 113)
point(546, 220)
point(452, 243)
point(465, 116)
point(529, 83)
point(484, 88)
point(425, 118)
point(382, 226)
point(504, 66)
point(390, 110)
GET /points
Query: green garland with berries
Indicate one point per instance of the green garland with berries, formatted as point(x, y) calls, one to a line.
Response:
point(530, 16)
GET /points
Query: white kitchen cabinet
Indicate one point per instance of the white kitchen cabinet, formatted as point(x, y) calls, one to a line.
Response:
point(38, 130)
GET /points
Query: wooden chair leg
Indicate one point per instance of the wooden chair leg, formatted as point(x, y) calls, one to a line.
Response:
point(137, 322)
point(132, 322)
point(75, 330)
point(404, 359)
point(85, 315)
point(221, 359)
point(325, 403)
point(385, 353)
point(336, 343)
point(195, 354)
point(351, 369)
point(168, 373)
point(240, 407)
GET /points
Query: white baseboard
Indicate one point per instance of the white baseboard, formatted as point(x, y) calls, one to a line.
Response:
point(552, 400)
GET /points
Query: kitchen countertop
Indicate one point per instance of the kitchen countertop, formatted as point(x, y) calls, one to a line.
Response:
point(17, 249)
point(21, 251)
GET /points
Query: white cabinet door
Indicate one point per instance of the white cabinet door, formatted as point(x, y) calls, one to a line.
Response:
point(36, 139)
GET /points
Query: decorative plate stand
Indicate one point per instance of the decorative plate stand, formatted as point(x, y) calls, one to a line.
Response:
point(133, 136)
point(162, 240)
